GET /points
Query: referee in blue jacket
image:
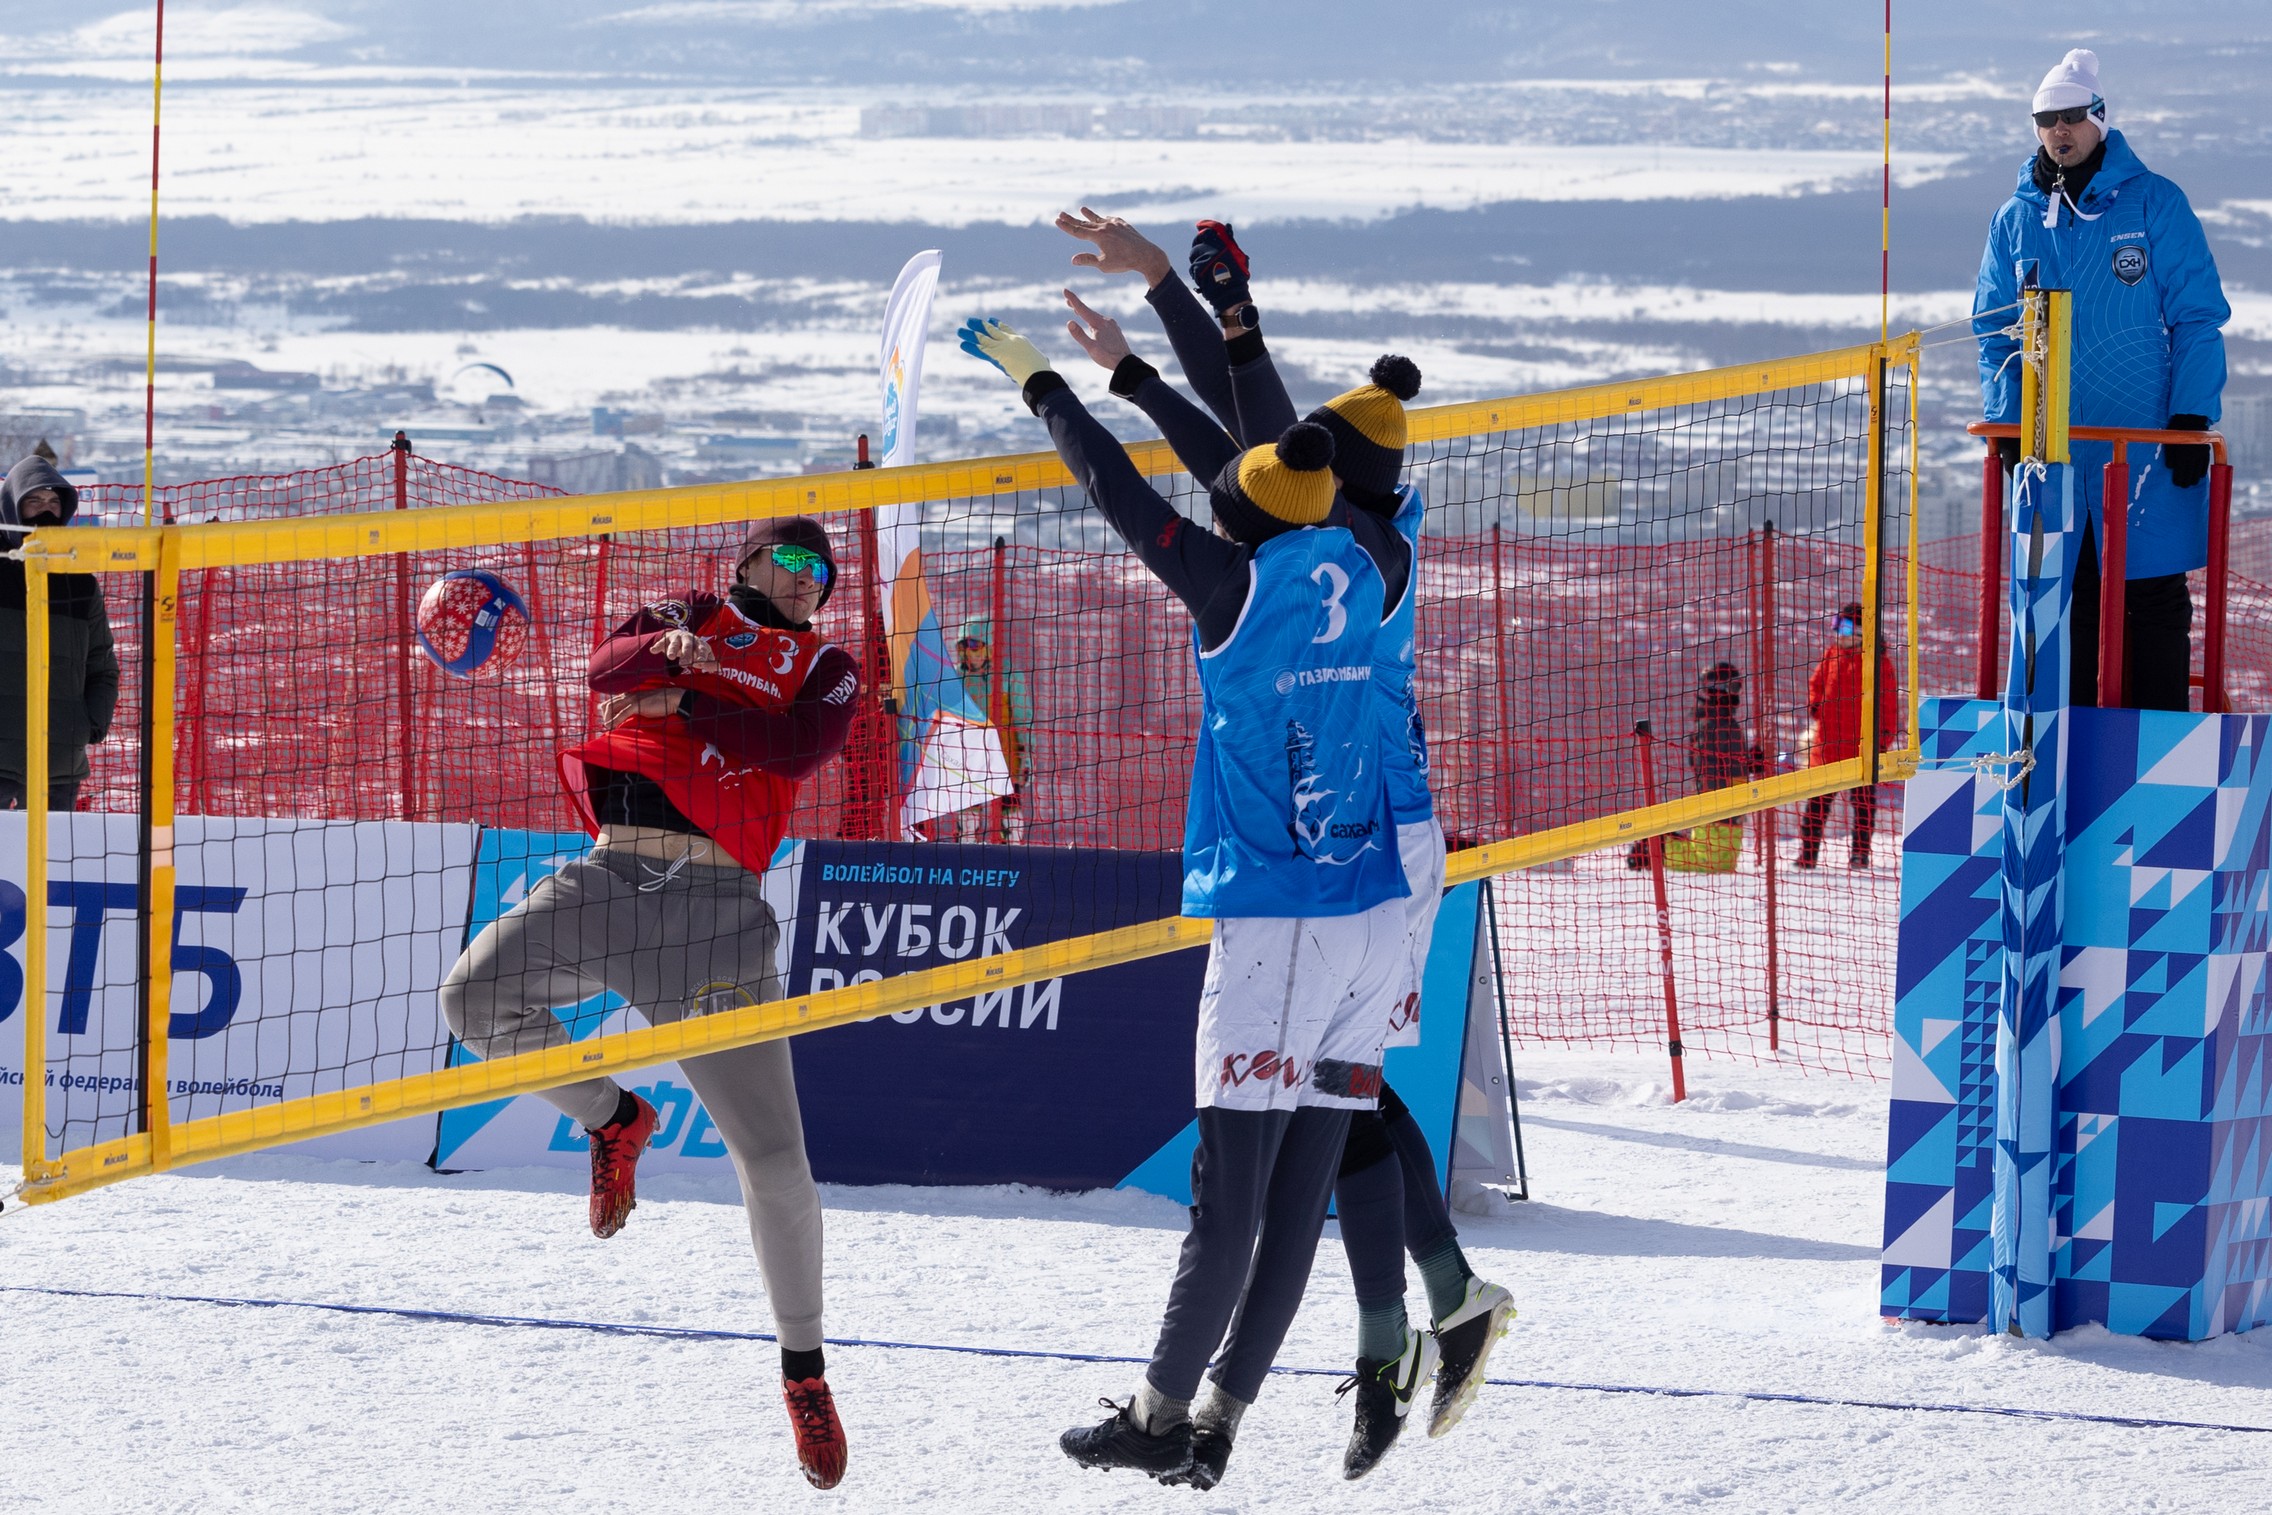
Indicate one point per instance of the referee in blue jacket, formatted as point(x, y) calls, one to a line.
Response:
point(2148, 312)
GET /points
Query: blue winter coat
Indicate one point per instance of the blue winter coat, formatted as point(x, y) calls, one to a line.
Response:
point(2147, 346)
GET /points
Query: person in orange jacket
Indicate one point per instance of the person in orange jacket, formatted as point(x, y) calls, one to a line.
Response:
point(1834, 705)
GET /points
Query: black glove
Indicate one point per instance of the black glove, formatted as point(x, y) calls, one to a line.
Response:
point(2008, 448)
point(2187, 465)
point(1218, 267)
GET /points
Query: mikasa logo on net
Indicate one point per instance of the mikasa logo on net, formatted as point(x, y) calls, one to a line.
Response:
point(1297, 678)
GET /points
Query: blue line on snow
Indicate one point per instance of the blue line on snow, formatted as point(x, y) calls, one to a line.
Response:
point(697, 1333)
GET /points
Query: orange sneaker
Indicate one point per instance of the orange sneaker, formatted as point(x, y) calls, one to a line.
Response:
point(615, 1166)
point(820, 1435)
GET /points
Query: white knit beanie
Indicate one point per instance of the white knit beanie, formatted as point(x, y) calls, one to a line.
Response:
point(2073, 81)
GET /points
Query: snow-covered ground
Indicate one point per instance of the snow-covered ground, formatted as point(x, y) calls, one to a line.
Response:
point(1728, 1244)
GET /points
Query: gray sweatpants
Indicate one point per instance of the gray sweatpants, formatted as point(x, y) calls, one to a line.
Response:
point(671, 941)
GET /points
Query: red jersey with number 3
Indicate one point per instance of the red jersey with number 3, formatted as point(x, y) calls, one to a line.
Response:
point(744, 809)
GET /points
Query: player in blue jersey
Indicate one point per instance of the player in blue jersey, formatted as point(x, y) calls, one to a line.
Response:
point(1387, 1197)
point(1289, 845)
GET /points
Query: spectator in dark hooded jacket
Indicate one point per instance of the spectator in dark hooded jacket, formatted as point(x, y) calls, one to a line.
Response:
point(1718, 752)
point(82, 666)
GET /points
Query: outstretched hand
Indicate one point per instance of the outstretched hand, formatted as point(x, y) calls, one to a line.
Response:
point(1002, 347)
point(1100, 337)
point(1121, 248)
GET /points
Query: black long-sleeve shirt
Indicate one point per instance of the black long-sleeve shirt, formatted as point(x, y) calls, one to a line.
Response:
point(1210, 574)
point(1237, 380)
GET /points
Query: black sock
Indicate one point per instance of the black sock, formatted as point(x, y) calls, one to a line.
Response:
point(797, 1366)
point(626, 1109)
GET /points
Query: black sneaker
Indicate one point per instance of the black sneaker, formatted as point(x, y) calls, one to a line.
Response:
point(1466, 1337)
point(1121, 1443)
point(1210, 1450)
point(1385, 1391)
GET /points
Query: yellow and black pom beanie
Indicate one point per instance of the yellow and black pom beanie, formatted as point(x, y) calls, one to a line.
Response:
point(1368, 429)
point(1267, 489)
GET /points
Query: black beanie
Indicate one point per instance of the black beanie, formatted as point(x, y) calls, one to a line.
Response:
point(1368, 429)
point(1277, 487)
point(790, 531)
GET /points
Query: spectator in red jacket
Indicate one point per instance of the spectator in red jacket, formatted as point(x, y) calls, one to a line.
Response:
point(1834, 706)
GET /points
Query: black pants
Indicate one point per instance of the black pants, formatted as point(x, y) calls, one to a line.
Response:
point(62, 794)
point(1815, 819)
point(1259, 1185)
point(2157, 635)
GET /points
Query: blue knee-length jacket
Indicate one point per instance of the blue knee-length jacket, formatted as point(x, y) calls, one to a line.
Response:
point(2148, 343)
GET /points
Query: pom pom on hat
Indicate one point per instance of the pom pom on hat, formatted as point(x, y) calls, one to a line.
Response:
point(1305, 447)
point(2072, 81)
point(1397, 374)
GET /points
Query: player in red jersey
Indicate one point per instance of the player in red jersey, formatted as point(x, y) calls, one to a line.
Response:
point(717, 706)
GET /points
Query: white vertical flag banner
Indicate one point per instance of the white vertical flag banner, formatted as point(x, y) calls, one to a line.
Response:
point(950, 757)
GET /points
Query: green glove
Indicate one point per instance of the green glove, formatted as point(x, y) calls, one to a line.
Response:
point(1003, 348)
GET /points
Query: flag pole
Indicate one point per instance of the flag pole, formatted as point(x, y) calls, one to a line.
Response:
point(150, 360)
point(1885, 206)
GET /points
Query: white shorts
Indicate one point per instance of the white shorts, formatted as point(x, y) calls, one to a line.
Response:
point(1421, 846)
point(1291, 1010)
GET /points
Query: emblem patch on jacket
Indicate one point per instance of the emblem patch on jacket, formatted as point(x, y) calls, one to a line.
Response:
point(2130, 262)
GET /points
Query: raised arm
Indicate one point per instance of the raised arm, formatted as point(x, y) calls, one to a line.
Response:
point(1192, 332)
point(1207, 573)
point(1221, 270)
point(1199, 444)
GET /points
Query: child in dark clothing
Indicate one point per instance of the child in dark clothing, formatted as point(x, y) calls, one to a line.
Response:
point(1718, 754)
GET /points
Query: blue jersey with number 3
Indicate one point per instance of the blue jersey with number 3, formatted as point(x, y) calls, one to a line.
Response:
point(1289, 812)
point(1404, 740)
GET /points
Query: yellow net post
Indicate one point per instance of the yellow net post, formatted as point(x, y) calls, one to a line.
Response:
point(36, 653)
point(1873, 560)
point(158, 842)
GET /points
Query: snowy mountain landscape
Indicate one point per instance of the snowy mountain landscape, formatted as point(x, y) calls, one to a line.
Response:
point(672, 225)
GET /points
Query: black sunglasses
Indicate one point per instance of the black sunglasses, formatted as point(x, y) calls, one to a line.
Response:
point(2073, 115)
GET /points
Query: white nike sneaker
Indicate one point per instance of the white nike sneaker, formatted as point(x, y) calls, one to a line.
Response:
point(1467, 1336)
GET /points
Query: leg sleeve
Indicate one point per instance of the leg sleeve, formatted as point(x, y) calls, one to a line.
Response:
point(1301, 1181)
point(1230, 1178)
point(1427, 1219)
point(1369, 1204)
point(500, 996)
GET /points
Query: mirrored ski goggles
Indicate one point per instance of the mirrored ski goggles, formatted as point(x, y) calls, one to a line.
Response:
point(801, 560)
point(2073, 115)
point(1846, 628)
point(975, 644)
